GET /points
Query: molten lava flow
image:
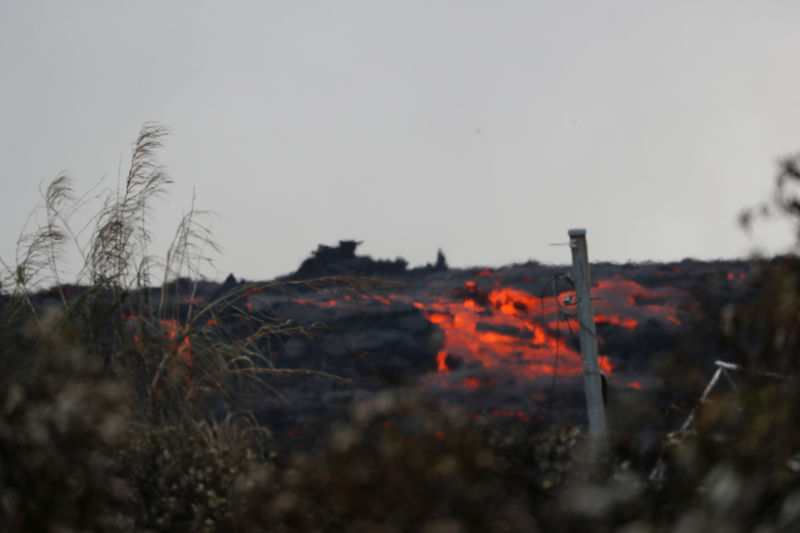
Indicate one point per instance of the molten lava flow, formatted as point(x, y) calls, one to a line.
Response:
point(507, 334)
point(628, 323)
point(183, 348)
point(493, 334)
point(515, 333)
point(180, 347)
point(327, 304)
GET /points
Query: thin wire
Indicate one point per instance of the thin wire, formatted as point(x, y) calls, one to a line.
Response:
point(553, 381)
point(551, 395)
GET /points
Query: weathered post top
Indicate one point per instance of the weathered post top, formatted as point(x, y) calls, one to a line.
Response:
point(577, 232)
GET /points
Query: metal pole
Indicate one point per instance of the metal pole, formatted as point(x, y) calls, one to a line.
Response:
point(588, 339)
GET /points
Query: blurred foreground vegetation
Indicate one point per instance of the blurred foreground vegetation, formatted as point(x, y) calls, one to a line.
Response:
point(109, 424)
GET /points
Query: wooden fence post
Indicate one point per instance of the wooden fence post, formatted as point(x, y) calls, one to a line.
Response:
point(588, 339)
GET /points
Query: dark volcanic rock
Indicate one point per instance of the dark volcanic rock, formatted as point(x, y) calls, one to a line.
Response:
point(437, 317)
point(400, 343)
point(342, 260)
point(388, 344)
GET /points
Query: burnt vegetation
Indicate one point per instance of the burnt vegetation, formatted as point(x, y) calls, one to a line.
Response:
point(142, 398)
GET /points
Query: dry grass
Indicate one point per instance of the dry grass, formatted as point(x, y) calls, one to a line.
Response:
point(109, 352)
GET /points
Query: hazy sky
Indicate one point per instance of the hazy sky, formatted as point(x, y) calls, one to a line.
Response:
point(485, 128)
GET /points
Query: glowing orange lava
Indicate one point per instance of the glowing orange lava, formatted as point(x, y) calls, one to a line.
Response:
point(182, 348)
point(506, 334)
point(327, 304)
point(179, 348)
point(512, 331)
point(492, 331)
point(628, 323)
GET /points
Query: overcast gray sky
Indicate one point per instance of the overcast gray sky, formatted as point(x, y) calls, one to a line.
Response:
point(486, 128)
